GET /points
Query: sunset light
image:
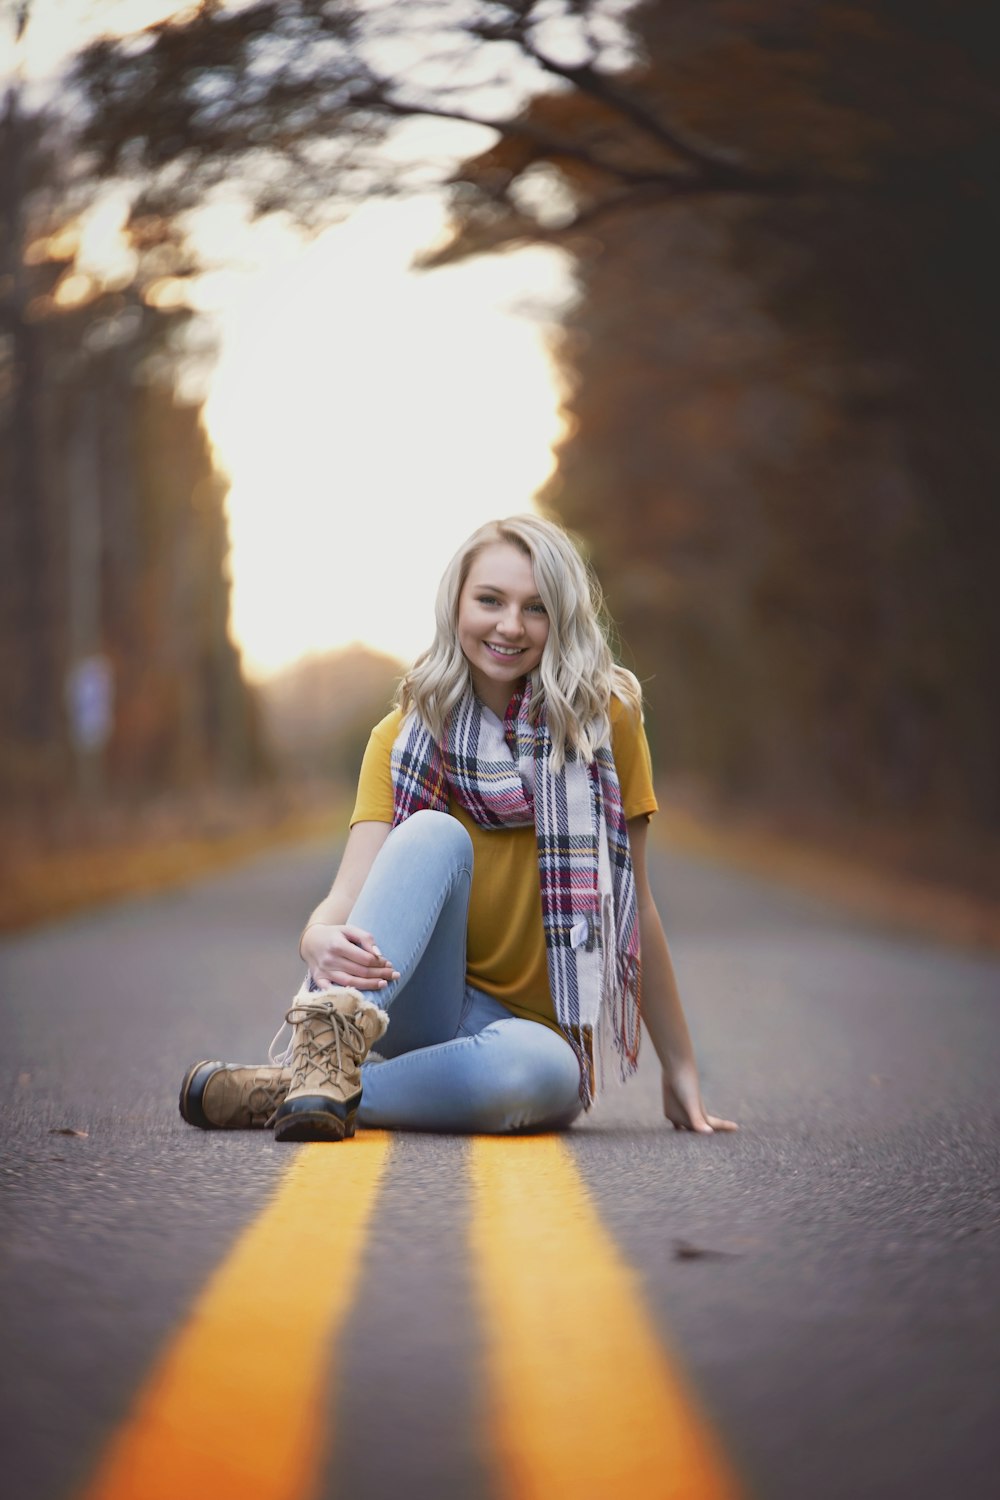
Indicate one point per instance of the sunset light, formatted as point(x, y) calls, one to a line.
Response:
point(369, 417)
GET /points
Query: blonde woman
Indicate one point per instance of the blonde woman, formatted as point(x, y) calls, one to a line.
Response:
point(484, 928)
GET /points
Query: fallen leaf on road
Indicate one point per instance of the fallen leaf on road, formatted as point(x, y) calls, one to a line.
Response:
point(684, 1250)
point(67, 1130)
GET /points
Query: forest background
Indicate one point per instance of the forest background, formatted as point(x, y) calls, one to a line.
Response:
point(780, 374)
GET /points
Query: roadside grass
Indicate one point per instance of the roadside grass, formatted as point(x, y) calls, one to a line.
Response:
point(100, 860)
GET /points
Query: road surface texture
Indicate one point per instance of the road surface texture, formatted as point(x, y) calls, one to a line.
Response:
point(807, 1310)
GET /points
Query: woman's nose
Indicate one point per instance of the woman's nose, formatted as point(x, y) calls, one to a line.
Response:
point(511, 622)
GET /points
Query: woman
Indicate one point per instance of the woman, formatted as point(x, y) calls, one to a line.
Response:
point(497, 852)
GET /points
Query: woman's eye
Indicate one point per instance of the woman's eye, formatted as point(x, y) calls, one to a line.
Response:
point(531, 609)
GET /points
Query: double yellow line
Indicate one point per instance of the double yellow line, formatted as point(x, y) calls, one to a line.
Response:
point(583, 1397)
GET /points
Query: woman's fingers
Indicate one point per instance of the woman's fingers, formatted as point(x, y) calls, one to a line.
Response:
point(703, 1124)
point(378, 973)
point(353, 981)
point(336, 971)
point(344, 950)
point(346, 964)
point(363, 940)
point(683, 1108)
point(360, 962)
point(339, 955)
point(360, 951)
point(331, 945)
point(361, 977)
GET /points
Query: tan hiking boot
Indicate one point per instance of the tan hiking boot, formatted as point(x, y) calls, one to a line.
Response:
point(332, 1033)
point(232, 1096)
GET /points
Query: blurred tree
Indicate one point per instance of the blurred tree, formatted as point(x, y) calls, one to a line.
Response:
point(113, 538)
point(295, 103)
point(782, 446)
point(319, 711)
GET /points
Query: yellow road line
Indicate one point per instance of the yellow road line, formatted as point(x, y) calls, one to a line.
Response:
point(582, 1399)
point(234, 1407)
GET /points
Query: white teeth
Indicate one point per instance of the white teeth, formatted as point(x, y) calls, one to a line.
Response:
point(505, 650)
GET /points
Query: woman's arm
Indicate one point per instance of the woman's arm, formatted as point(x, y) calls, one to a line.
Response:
point(338, 954)
point(661, 1006)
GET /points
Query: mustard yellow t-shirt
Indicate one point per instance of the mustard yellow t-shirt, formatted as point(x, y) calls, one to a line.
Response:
point(505, 944)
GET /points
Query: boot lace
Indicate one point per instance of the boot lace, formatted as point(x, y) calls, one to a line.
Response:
point(319, 1048)
point(283, 1058)
point(264, 1096)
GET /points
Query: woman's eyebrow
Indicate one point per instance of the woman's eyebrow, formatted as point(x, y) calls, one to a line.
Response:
point(495, 590)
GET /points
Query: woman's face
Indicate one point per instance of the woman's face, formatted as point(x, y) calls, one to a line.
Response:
point(502, 623)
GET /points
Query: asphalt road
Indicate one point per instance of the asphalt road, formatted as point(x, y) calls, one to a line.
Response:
point(842, 1331)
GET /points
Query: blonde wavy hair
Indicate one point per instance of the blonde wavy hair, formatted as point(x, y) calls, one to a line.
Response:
point(577, 675)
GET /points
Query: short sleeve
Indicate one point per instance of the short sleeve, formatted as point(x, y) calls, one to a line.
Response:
point(374, 803)
point(629, 746)
point(633, 762)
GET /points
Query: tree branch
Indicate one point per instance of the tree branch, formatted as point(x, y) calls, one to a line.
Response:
point(598, 86)
point(551, 146)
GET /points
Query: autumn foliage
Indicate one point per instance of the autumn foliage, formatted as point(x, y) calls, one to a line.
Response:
point(780, 389)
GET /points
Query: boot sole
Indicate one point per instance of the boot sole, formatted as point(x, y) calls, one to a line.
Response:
point(316, 1119)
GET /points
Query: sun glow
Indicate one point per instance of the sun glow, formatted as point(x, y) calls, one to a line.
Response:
point(369, 418)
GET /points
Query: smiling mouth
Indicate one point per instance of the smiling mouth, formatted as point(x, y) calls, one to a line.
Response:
point(507, 652)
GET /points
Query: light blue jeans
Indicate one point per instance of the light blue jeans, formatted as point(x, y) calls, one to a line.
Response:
point(456, 1060)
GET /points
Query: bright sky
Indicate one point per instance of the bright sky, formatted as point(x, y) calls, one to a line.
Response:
point(369, 417)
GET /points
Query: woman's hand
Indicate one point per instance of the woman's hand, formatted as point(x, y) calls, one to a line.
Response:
point(682, 1103)
point(345, 955)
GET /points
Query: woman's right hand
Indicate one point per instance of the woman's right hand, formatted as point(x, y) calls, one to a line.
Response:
point(346, 956)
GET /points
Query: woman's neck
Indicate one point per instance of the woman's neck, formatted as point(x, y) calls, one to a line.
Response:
point(496, 696)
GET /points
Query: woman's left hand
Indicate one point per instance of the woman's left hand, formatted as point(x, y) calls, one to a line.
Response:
point(683, 1107)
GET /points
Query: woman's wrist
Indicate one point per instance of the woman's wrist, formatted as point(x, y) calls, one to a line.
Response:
point(302, 936)
point(679, 1065)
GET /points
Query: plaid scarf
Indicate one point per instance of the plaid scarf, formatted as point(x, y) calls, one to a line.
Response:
point(589, 910)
